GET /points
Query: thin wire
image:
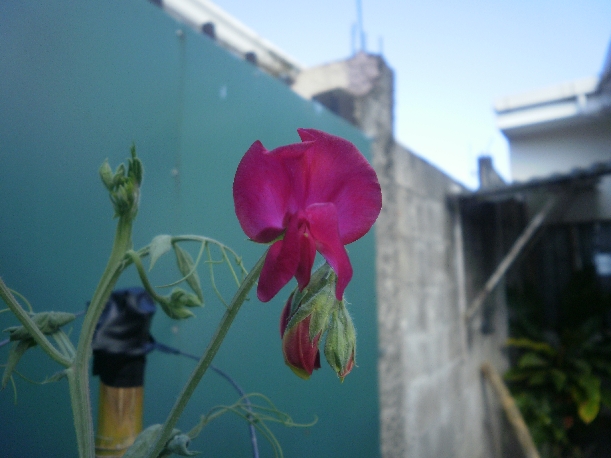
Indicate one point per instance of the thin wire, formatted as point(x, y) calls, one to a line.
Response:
point(226, 376)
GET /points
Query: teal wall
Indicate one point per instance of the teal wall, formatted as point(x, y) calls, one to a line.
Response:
point(79, 81)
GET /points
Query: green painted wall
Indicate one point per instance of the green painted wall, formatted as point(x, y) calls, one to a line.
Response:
point(79, 81)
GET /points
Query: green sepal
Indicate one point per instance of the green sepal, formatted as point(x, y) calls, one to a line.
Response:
point(124, 187)
point(318, 281)
point(181, 297)
point(317, 300)
point(188, 270)
point(135, 169)
point(106, 175)
point(119, 178)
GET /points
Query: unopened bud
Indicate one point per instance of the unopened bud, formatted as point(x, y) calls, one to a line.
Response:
point(340, 346)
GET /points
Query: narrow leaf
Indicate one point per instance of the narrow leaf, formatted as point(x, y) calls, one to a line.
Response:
point(158, 247)
point(588, 410)
point(531, 359)
point(15, 354)
point(188, 269)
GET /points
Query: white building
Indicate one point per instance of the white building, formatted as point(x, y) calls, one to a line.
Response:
point(559, 129)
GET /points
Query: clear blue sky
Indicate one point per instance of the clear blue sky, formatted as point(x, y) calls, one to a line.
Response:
point(452, 59)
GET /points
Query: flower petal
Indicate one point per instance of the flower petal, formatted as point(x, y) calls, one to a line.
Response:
point(307, 254)
point(324, 228)
point(281, 263)
point(340, 174)
point(263, 188)
point(301, 354)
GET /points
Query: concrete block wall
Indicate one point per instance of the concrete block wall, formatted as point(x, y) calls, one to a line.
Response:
point(432, 398)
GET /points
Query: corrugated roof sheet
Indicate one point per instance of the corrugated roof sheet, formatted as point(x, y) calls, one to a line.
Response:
point(575, 176)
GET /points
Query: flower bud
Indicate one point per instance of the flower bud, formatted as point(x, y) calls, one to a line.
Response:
point(124, 185)
point(106, 175)
point(177, 305)
point(340, 346)
point(307, 315)
point(300, 352)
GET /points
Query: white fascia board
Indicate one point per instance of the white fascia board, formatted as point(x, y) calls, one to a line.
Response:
point(551, 94)
point(537, 115)
point(233, 34)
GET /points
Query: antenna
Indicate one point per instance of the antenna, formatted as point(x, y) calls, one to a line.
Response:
point(359, 24)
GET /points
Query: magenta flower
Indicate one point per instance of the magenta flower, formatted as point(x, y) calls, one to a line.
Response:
point(319, 195)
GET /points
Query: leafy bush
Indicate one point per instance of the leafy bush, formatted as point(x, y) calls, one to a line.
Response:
point(561, 371)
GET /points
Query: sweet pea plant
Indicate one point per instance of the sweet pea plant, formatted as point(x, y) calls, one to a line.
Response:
point(314, 196)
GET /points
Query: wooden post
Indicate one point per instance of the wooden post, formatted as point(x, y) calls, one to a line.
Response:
point(511, 411)
point(508, 260)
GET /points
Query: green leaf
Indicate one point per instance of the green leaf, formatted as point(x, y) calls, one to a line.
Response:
point(532, 359)
point(559, 378)
point(541, 347)
point(15, 354)
point(537, 378)
point(587, 396)
point(588, 410)
point(188, 269)
point(515, 374)
point(158, 247)
point(47, 322)
point(145, 441)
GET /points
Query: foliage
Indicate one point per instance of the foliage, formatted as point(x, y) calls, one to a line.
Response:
point(561, 370)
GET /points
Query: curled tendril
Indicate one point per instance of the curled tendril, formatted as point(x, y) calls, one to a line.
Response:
point(162, 244)
point(256, 414)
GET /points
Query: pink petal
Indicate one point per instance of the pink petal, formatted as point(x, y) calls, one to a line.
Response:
point(301, 354)
point(280, 263)
point(263, 189)
point(307, 251)
point(340, 174)
point(324, 229)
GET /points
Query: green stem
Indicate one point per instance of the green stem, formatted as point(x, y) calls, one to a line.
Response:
point(206, 359)
point(28, 323)
point(133, 256)
point(78, 374)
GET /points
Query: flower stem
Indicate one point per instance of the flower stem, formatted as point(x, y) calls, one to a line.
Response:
point(78, 374)
point(206, 359)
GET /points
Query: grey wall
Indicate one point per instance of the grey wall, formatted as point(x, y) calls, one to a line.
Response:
point(433, 401)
